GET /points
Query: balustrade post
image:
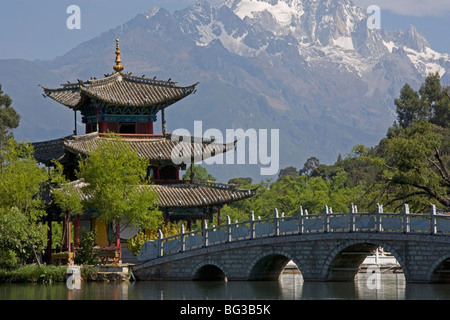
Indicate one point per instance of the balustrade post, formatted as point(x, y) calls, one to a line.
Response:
point(182, 239)
point(405, 218)
point(326, 227)
point(379, 212)
point(433, 219)
point(160, 244)
point(301, 225)
point(205, 235)
point(352, 219)
point(228, 229)
point(252, 225)
point(276, 224)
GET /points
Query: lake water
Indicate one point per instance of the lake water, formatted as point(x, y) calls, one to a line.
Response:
point(290, 287)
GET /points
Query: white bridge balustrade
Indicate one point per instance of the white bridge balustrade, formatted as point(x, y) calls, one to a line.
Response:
point(432, 223)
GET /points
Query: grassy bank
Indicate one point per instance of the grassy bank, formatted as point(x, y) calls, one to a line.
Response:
point(52, 274)
point(33, 273)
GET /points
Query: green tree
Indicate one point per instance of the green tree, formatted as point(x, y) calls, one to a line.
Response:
point(309, 166)
point(241, 181)
point(435, 97)
point(9, 118)
point(199, 172)
point(289, 193)
point(288, 171)
point(431, 103)
point(415, 166)
point(66, 196)
point(117, 186)
point(409, 106)
point(22, 236)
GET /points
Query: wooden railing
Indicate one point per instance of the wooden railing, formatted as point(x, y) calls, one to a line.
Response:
point(303, 223)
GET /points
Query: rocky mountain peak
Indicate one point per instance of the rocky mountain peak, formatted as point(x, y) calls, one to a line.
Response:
point(413, 39)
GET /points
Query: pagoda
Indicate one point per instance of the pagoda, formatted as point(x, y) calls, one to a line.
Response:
point(128, 106)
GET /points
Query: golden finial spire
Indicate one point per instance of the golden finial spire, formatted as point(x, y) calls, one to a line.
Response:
point(118, 67)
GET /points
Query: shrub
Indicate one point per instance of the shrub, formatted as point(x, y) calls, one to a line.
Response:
point(85, 254)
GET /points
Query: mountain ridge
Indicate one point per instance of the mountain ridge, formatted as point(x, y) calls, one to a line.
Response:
point(313, 70)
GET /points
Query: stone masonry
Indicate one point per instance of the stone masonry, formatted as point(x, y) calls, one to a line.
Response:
point(319, 257)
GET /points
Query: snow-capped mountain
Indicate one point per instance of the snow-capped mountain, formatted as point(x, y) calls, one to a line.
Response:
point(320, 30)
point(311, 68)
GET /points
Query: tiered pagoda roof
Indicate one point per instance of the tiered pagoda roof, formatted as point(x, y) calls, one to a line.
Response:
point(156, 148)
point(120, 89)
point(198, 193)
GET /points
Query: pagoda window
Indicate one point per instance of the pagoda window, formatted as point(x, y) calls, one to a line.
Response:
point(113, 127)
point(91, 127)
point(142, 128)
point(127, 128)
point(168, 173)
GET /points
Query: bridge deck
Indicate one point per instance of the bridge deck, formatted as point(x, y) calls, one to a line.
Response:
point(303, 223)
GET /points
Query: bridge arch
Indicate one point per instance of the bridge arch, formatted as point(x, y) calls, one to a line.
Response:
point(345, 259)
point(269, 265)
point(439, 271)
point(209, 271)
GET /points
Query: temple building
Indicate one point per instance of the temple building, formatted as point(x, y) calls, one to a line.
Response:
point(128, 106)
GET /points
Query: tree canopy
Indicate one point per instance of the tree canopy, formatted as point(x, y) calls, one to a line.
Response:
point(430, 103)
point(9, 118)
point(21, 208)
point(117, 184)
point(199, 172)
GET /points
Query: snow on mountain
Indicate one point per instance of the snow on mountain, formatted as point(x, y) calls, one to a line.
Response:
point(321, 30)
point(428, 60)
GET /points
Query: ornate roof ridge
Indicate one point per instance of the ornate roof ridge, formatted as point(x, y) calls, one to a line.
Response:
point(221, 185)
point(98, 82)
point(65, 86)
point(49, 142)
point(208, 140)
point(86, 136)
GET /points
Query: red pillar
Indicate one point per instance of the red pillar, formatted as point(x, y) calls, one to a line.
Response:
point(69, 234)
point(189, 224)
point(177, 173)
point(66, 245)
point(150, 127)
point(103, 126)
point(64, 231)
point(118, 234)
point(77, 231)
point(49, 239)
point(118, 238)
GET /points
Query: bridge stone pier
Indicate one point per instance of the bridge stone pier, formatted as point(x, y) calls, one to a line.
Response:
point(325, 247)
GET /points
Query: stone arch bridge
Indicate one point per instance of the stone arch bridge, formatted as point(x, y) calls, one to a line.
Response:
point(325, 247)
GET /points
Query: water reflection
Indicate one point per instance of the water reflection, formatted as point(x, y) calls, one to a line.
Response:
point(290, 287)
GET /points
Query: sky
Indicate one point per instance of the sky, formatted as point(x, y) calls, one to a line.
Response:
point(37, 29)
